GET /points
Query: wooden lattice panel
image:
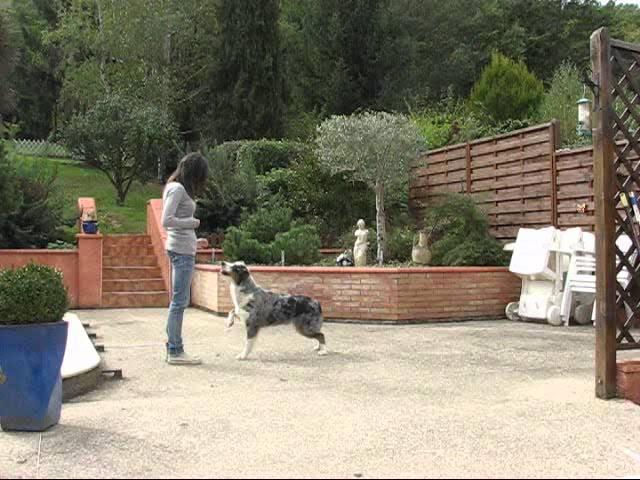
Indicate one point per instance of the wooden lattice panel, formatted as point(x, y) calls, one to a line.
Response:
point(624, 114)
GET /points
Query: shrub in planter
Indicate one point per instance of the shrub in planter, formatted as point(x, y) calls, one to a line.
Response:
point(240, 245)
point(301, 245)
point(266, 223)
point(263, 235)
point(33, 336)
point(400, 243)
point(460, 234)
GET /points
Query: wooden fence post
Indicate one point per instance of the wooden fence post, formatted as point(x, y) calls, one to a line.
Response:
point(554, 143)
point(468, 166)
point(604, 197)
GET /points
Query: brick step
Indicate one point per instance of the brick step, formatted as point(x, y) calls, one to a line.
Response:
point(135, 299)
point(130, 273)
point(128, 251)
point(126, 240)
point(139, 261)
point(133, 285)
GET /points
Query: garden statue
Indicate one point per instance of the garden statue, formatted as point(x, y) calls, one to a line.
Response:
point(361, 245)
point(420, 253)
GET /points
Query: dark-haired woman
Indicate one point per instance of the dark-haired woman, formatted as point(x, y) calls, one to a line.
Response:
point(179, 207)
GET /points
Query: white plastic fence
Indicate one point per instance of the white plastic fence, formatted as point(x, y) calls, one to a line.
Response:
point(40, 148)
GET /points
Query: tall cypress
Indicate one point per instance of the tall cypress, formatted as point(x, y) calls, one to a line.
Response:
point(249, 85)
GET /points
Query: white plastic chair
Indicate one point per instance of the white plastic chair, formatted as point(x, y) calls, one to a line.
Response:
point(536, 259)
point(581, 276)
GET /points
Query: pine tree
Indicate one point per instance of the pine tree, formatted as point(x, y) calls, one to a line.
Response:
point(249, 84)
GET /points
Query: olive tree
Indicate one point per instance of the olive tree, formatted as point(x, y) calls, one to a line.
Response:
point(376, 148)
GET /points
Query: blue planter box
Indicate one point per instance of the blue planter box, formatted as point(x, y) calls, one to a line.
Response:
point(30, 381)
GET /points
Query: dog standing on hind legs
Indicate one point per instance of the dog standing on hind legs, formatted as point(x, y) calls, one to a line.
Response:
point(258, 308)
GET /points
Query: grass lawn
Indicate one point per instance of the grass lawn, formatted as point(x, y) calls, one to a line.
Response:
point(78, 180)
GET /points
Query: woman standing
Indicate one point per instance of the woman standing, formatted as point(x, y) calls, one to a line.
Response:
point(178, 219)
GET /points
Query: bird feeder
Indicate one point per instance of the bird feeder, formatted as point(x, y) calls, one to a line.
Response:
point(584, 117)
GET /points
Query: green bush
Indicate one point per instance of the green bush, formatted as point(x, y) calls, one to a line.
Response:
point(507, 90)
point(330, 202)
point(30, 204)
point(267, 155)
point(301, 245)
point(235, 168)
point(460, 234)
point(400, 243)
point(32, 294)
point(265, 223)
point(239, 245)
point(231, 189)
point(453, 121)
point(264, 234)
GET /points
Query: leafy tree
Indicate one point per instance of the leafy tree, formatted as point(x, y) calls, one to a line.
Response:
point(249, 83)
point(343, 56)
point(376, 148)
point(7, 63)
point(114, 47)
point(122, 138)
point(507, 90)
point(626, 22)
point(36, 79)
point(560, 101)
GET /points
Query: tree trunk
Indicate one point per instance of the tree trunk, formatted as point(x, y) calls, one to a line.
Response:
point(381, 233)
point(121, 195)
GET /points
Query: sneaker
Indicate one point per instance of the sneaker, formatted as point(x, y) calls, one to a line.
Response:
point(182, 358)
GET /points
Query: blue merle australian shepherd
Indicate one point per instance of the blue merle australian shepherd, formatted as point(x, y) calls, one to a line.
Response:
point(259, 308)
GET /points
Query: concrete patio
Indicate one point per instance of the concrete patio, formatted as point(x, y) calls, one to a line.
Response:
point(475, 399)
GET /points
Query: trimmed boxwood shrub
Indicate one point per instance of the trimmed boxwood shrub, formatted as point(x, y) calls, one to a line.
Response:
point(32, 294)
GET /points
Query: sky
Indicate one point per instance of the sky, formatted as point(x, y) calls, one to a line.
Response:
point(632, 2)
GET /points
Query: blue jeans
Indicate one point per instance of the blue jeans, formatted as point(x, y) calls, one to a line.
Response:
point(181, 274)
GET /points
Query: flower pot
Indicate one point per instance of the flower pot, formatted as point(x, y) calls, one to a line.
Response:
point(30, 381)
point(90, 227)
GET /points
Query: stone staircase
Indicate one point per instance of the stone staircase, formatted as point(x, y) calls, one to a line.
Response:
point(131, 277)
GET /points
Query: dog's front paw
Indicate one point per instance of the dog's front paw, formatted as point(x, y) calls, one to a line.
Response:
point(322, 352)
point(242, 356)
point(230, 319)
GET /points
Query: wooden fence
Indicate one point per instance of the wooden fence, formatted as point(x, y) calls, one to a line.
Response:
point(520, 178)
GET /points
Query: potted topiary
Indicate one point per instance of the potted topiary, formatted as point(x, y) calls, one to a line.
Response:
point(89, 222)
point(33, 340)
